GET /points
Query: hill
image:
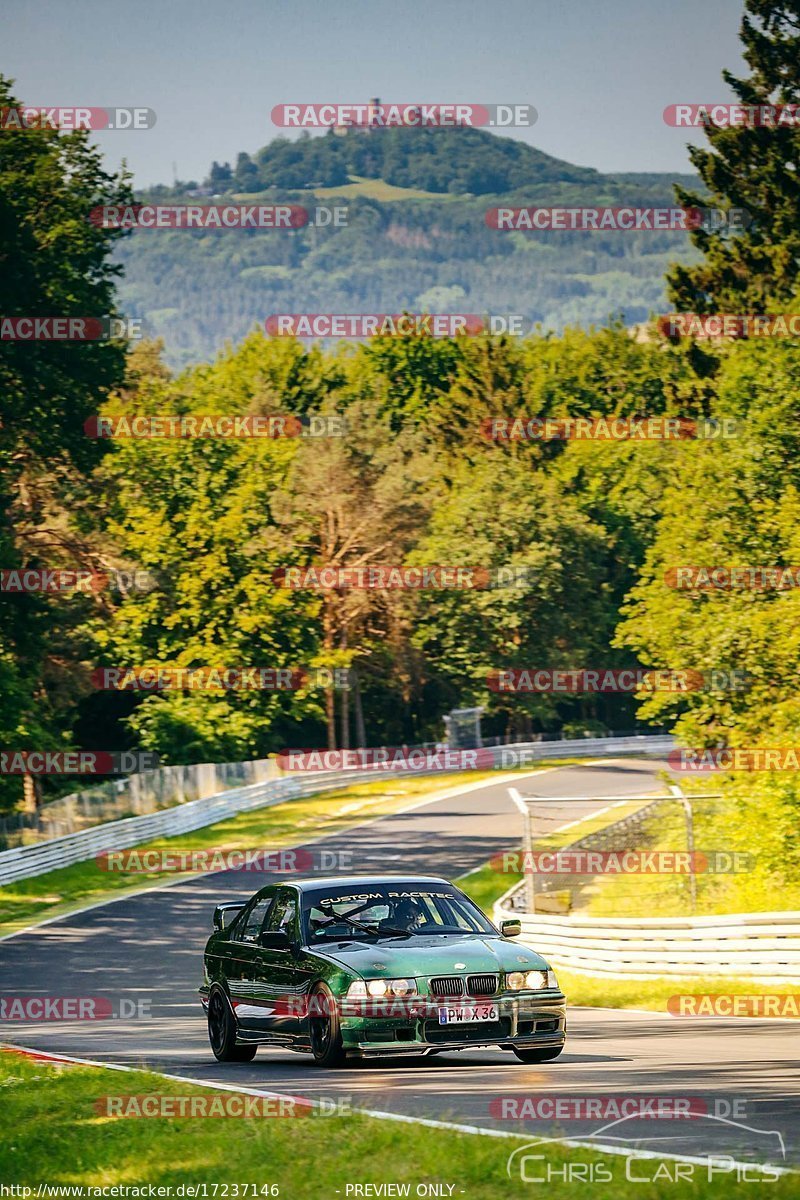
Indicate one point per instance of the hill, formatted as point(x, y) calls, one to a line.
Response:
point(415, 239)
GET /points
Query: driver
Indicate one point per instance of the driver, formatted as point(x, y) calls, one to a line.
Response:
point(407, 914)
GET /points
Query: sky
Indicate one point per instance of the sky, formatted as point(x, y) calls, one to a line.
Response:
point(598, 72)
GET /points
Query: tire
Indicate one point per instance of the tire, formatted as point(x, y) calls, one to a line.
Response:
point(324, 1030)
point(222, 1031)
point(536, 1056)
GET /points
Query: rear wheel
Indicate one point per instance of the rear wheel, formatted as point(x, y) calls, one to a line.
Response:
point(324, 1030)
point(536, 1056)
point(222, 1031)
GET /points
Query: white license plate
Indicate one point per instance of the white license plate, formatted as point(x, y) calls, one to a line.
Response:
point(463, 1015)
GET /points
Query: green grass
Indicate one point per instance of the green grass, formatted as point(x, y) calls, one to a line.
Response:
point(717, 827)
point(654, 994)
point(377, 189)
point(59, 892)
point(359, 186)
point(486, 885)
point(54, 1134)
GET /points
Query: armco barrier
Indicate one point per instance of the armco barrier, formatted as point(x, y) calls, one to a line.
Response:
point(130, 796)
point(762, 946)
point(24, 862)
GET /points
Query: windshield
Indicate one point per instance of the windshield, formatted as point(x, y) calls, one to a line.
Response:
point(401, 910)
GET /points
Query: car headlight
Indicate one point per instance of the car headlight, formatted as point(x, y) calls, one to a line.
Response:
point(381, 987)
point(534, 981)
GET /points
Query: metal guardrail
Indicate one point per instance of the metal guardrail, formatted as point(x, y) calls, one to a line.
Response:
point(130, 796)
point(752, 945)
point(525, 752)
point(24, 862)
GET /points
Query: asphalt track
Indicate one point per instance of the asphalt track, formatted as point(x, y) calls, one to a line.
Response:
point(148, 947)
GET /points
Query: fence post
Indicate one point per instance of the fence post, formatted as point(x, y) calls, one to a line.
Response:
point(689, 815)
point(527, 849)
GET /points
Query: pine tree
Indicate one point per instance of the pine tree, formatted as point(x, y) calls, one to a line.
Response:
point(755, 167)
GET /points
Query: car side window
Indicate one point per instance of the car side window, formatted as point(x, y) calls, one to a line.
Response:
point(284, 914)
point(250, 927)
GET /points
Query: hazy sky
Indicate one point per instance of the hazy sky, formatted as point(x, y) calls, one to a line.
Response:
point(599, 72)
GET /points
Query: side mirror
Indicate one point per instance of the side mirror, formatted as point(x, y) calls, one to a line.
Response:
point(274, 939)
point(510, 928)
point(225, 913)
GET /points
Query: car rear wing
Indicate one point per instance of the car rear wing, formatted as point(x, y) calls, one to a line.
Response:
point(225, 913)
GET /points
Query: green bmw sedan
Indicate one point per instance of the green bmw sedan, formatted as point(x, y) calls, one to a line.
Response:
point(364, 966)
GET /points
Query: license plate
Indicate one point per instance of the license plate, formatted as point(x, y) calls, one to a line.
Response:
point(463, 1015)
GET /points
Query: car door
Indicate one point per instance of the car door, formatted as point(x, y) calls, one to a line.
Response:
point(241, 967)
point(281, 979)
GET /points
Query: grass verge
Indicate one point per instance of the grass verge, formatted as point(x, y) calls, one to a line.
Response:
point(749, 880)
point(56, 1135)
point(654, 994)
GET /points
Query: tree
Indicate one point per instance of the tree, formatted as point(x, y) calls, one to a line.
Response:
point(53, 262)
point(246, 175)
point(353, 502)
point(199, 514)
point(220, 177)
point(754, 167)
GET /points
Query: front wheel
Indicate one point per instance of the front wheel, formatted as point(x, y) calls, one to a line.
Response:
point(325, 1032)
point(222, 1031)
point(536, 1056)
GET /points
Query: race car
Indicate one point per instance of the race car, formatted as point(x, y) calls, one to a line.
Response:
point(359, 967)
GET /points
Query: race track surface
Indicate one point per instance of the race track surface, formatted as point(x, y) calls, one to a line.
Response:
point(149, 947)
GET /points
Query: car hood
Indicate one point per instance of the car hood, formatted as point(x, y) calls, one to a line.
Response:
point(433, 955)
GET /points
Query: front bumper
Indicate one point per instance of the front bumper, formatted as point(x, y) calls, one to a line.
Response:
point(529, 1021)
